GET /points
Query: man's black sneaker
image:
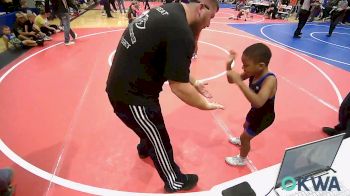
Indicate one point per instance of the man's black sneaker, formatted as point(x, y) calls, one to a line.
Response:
point(330, 131)
point(142, 153)
point(191, 181)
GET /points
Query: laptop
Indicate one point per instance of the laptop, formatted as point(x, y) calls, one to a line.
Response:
point(304, 164)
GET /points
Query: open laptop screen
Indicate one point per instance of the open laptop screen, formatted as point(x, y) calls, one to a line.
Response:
point(308, 158)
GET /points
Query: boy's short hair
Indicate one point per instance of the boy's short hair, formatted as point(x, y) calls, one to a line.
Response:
point(258, 53)
point(4, 27)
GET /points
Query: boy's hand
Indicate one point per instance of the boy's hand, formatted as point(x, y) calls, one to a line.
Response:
point(233, 77)
point(231, 58)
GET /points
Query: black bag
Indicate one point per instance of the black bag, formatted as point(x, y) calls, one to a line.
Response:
point(242, 189)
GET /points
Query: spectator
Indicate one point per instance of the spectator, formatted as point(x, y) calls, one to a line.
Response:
point(10, 38)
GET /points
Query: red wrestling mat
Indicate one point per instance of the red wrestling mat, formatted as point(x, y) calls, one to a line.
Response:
point(55, 116)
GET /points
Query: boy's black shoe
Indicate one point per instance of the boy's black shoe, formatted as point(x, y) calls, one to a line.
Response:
point(296, 36)
point(191, 182)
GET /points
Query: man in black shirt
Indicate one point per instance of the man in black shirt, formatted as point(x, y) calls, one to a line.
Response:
point(158, 47)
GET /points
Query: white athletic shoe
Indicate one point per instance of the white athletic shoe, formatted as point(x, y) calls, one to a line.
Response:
point(47, 38)
point(69, 43)
point(235, 161)
point(235, 140)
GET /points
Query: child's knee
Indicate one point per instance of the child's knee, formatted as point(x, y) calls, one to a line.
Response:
point(244, 140)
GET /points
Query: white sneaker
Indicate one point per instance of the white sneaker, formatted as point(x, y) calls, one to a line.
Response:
point(47, 38)
point(70, 43)
point(235, 140)
point(235, 161)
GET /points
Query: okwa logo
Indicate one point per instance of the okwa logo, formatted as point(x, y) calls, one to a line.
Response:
point(328, 184)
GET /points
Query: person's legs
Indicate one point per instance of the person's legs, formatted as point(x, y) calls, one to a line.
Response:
point(66, 26)
point(112, 2)
point(122, 4)
point(303, 16)
point(46, 31)
point(245, 144)
point(148, 124)
point(312, 14)
point(143, 148)
point(72, 34)
point(147, 4)
point(31, 43)
point(344, 112)
point(344, 119)
point(107, 8)
point(335, 19)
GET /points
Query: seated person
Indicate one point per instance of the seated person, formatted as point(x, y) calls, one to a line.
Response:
point(29, 26)
point(10, 38)
point(19, 27)
point(242, 12)
point(43, 24)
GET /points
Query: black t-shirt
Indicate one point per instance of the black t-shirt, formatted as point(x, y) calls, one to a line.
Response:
point(157, 46)
point(18, 28)
point(29, 25)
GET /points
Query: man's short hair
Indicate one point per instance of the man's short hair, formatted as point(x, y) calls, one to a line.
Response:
point(258, 53)
point(215, 2)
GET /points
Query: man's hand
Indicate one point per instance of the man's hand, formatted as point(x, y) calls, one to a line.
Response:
point(233, 77)
point(230, 60)
point(213, 106)
point(200, 87)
